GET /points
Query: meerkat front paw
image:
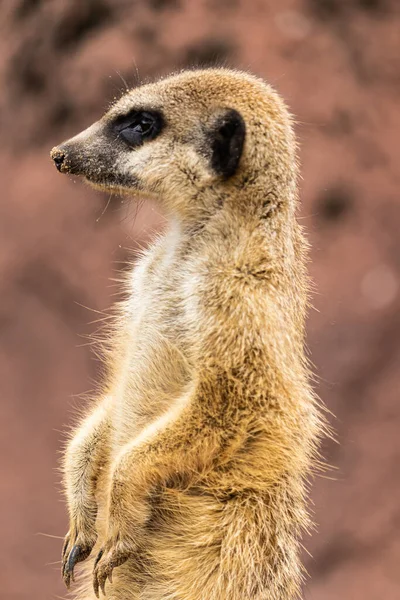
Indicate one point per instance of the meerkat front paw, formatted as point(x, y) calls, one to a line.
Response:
point(77, 547)
point(127, 515)
point(115, 551)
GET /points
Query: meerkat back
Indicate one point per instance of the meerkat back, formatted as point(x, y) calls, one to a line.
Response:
point(187, 480)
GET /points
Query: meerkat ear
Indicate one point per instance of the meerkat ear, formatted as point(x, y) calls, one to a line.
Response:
point(227, 141)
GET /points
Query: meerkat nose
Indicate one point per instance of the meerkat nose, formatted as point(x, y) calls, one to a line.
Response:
point(58, 157)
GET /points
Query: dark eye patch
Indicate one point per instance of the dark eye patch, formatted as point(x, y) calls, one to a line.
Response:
point(138, 126)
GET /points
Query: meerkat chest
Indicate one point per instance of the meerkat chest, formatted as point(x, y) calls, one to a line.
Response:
point(155, 365)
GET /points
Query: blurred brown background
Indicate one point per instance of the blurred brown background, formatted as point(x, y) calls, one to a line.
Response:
point(336, 64)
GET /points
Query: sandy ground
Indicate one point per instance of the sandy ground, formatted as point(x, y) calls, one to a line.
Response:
point(334, 61)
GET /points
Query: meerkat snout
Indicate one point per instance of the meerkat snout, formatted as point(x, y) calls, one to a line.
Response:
point(58, 156)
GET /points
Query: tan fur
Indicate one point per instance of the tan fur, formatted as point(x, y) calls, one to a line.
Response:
point(195, 461)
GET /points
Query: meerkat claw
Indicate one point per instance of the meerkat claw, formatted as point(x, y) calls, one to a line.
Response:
point(104, 566)
point(77, 554)
point(95, 586)
point(98, 557)
point(65, 547)
point(99, 581)
point(96, 575)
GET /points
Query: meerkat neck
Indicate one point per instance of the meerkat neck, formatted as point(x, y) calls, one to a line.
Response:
point(241, 207)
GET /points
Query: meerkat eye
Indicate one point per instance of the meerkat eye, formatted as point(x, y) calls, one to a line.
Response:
point(138, 126)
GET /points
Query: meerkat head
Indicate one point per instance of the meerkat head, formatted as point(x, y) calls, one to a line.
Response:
point(191, 141)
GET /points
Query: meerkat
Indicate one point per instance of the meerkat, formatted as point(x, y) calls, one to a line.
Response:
point(188, 480)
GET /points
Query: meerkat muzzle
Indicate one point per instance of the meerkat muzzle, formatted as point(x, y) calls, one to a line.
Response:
point(58, 157)
point(69, 158)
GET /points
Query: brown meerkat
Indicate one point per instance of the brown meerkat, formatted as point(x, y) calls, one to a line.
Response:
point(188, 480)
